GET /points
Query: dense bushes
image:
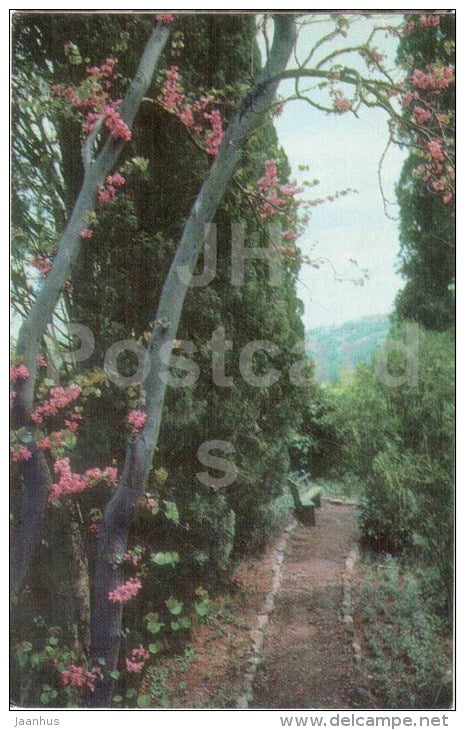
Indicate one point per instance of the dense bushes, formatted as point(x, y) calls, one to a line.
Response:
point(398, 441)
point(409, 664)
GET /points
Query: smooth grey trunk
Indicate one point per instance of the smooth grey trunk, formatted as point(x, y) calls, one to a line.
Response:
point(113, 532)
point(80, 583)
point(35, 473)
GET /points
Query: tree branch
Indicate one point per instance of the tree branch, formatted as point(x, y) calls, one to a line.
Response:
point(35, 472)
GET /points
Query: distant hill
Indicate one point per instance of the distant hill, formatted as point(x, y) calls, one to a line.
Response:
point(339, 348)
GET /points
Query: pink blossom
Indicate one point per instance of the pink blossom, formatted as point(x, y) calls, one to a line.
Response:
point(172, 96)
point(165, 18)
point(117, 128)
point(290, 189)
point(41, 361)
point(106, 194)
point(341, 103)
point(438, 78)
point(21, 454)
point(434, 147)
point(126, 591)
point(429, 21)
point(186, 116)
point(20, 372)
point(71, 483)
point(90, 121)
point(421, 115)
point(59, 398)
point(43, 264)
point(290, 235)
point(45, 443)
point(137, 659)
point(214, 138)
point(270, 178)
point(116, 180)
point(409, 28)
point(136, 419)
point(76, 676)
point(87, 233)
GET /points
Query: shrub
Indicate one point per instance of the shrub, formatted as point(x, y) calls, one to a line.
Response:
point(407, 656)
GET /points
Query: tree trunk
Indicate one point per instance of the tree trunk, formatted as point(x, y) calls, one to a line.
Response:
point(113, 532)
point(35, 473)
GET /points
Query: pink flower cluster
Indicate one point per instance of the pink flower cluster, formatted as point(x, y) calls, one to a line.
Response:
point(215, 136)
point(59, 398)
point(41, 361)
point(42, 263)
point(87, 233)
point(173, 100)
point(137, 659)
point(19, 372)
point(136, 419)
point(408, 28)
point(21, 454)
point(290, 235)
point(76, 676)
point(113, 122)
point(95, 101)
point(429, 21)
point(274, 197)
point(435, 148)
point(71, 483)
point(437, 77)
point(421, 115)
point(373, 57)
point(108, 191)
point(126, 591)
point(425, 21)
point(105, 71)
point(164, 18)
point(340, 102)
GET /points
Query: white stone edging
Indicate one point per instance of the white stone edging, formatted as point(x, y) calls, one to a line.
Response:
point(257, 634)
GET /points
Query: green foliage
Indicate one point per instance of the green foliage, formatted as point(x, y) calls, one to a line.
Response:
point(407, 655)
point(427, 226)
point(398, 441)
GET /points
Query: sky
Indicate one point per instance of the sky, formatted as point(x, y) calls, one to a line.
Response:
point(344, 151)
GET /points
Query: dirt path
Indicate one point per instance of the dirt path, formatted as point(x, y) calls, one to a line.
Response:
point(308, 660)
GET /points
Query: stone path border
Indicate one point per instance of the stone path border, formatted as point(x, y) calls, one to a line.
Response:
point(257, 635)
point(347, 603)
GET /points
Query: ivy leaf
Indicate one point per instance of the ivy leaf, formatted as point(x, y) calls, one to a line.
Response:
point(201, 608)
point(185, 622)
point(143, 701)
point(165, 558)
point(24, 435)
point(174, 606)
point(155, 647)
point(154, 628)
point(171, 511)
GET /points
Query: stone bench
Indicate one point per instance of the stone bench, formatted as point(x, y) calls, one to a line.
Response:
point(304, 507)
